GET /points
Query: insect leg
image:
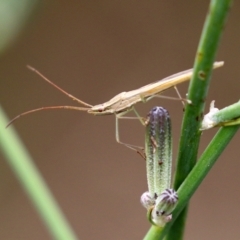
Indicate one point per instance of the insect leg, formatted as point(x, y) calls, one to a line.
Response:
point(184, 100)
point(138, 116)
point(179, 95)
point(133, 147)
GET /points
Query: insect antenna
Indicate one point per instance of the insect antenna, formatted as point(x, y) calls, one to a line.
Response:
point(47, 108)
point(57, 87)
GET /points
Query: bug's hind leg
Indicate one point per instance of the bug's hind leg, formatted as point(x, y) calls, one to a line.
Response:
point(183, 100)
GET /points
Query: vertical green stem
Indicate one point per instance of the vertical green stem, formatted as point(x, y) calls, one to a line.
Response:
point(198, 89)
point(197, 93)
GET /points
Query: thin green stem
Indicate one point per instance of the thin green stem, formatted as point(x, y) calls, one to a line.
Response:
point(227, 116)
point(228, 113)
point(33, 183)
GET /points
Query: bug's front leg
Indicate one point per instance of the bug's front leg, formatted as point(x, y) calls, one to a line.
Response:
point(131, 146)
point(141, 119)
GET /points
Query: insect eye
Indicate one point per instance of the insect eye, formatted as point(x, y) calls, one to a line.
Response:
point(100, 109)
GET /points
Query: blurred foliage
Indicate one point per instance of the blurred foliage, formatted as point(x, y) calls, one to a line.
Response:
point(14, 14)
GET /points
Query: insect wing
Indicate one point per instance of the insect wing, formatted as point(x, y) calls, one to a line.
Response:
point(168, 82)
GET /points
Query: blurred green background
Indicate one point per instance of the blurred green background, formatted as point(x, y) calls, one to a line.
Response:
point(95, 50)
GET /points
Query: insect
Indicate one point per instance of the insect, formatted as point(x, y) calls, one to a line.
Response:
point(123, 102)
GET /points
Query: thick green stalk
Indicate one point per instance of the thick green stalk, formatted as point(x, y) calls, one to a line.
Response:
point(198, 89)
point(33, 183)
point(197, 93)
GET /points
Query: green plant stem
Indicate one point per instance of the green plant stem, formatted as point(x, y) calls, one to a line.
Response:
point(195, 177)
point(228, 113)
point(198, 89)
point(33, 183)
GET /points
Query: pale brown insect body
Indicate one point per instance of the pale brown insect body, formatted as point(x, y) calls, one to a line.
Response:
point(123, 102)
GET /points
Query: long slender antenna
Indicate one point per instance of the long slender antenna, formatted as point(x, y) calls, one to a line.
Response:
point(57, 87)
point(47, 108)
